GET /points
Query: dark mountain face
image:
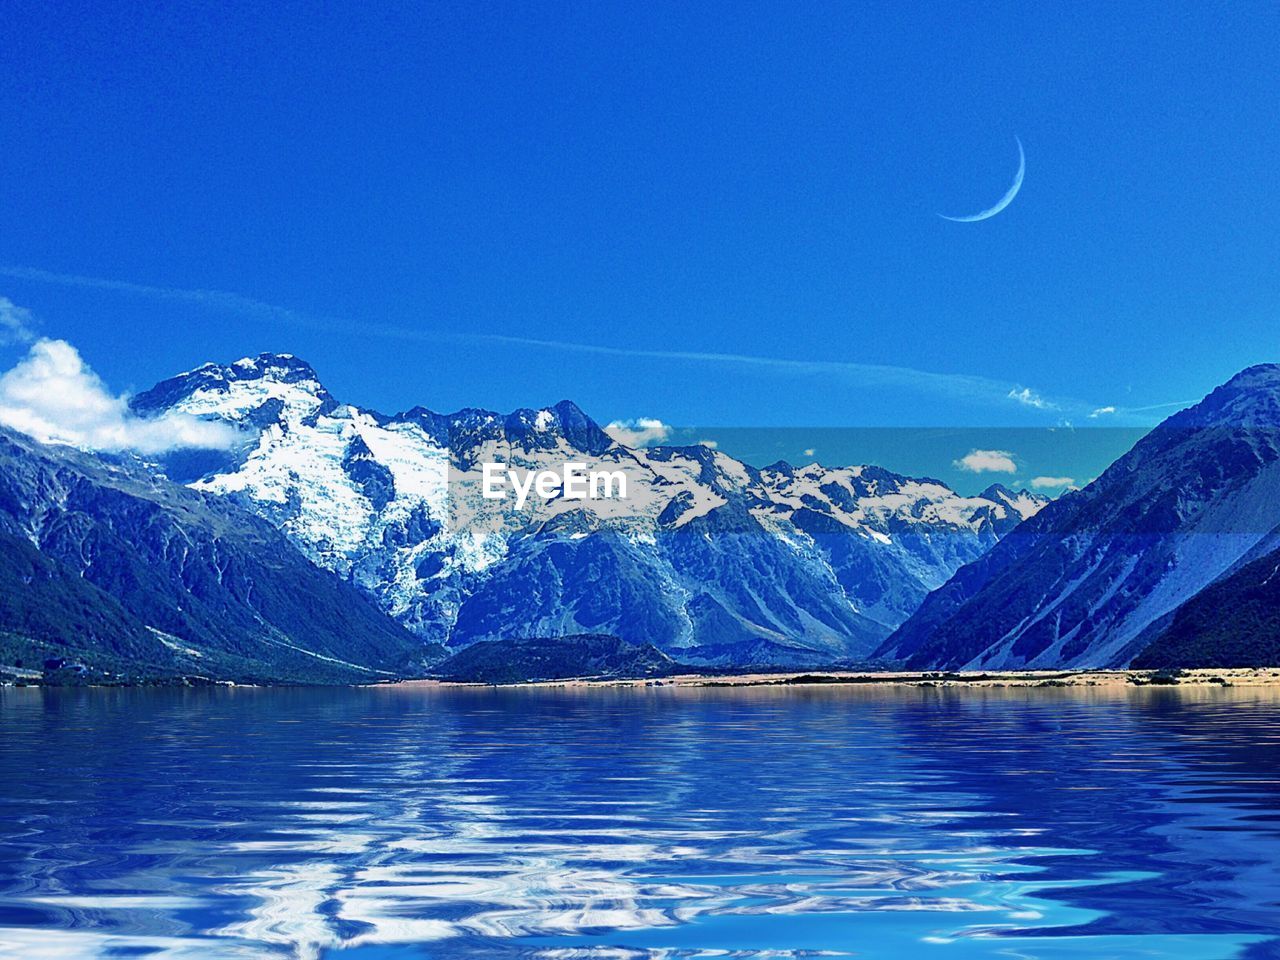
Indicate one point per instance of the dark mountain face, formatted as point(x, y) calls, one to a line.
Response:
point(1234, 622)
point(49, 613)
point(1084, 581)
point(133, 574)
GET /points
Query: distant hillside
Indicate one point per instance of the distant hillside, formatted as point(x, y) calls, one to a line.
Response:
point(555, 658)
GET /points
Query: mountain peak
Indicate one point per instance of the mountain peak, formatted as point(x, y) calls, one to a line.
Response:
point(282, 368)
point(538, 428)
point(1256, 372)
point(579, 429)
point(1249, 399)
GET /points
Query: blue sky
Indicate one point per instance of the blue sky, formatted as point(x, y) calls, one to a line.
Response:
point(708, 214)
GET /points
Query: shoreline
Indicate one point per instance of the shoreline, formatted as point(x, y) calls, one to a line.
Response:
point(1196, 678)
point(1202, 677)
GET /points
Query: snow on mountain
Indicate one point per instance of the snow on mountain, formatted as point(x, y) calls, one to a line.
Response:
point(1021, 502)
point(706, 556)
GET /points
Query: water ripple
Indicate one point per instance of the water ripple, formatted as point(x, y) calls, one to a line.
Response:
point(647, 824)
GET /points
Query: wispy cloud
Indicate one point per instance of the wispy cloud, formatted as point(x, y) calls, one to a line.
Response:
point(962, 386)
point(1152, 407)
point(987, 461)
point(1029, 398)
point(642, 432)
point(215, 299)
point(955, 385)
point(53, 396)
point(16, 323)
point(1102, 412)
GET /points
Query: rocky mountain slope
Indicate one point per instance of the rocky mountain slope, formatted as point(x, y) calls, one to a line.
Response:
point(711, 560)
point(1166, 557)
point(1233, 622)
point(120, 573)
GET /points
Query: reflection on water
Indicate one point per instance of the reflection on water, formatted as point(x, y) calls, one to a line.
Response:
point(649, 823)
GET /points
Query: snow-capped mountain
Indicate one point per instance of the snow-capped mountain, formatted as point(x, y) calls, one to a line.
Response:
point(1120, 570)
point(710, 559)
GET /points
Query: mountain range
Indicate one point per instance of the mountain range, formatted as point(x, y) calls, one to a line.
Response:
point(711, 560)
point(333, 543)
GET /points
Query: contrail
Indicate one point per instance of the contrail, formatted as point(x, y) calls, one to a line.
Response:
point(951, 384)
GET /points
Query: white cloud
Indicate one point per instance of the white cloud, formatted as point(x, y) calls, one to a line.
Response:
point(643, 432)
point(987, 461)
point(1044, 483)
point(53, 396)
point(1029, 398)
point(1101, 412)
point(810, 452)
point(15, 323)
point(709, 444)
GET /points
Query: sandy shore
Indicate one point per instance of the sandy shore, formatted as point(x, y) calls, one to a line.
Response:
point(1204, 678)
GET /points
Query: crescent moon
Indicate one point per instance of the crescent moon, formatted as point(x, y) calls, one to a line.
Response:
point(1004, 201)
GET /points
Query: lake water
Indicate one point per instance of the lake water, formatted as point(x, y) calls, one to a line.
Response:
point(647, 823)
